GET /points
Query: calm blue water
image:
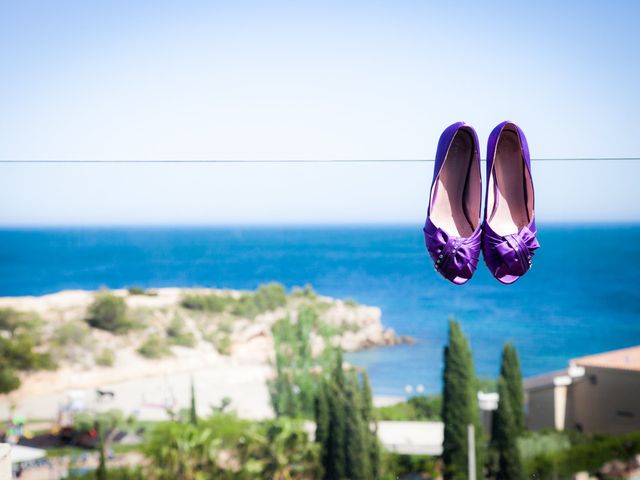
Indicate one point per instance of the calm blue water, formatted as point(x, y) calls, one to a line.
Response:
point(582, 296)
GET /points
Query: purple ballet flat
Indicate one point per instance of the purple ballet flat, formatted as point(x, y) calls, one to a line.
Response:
point(452, 230)
point(509, 228)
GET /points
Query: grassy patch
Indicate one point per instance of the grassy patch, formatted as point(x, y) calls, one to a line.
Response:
point(266, 298)
point(178, 334)
point(106, 358)
point(154, 347)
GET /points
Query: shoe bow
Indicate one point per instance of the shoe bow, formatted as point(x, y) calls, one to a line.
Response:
point(511, 254)
point(453, 256)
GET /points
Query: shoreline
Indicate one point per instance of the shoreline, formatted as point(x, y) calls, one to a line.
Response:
point(240, 375)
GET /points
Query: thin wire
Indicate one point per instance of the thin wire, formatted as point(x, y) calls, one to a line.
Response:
point(369, 160)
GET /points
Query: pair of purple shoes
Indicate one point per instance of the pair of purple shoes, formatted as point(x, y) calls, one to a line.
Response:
point(453, 232)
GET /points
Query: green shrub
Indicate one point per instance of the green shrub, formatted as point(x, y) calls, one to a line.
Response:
point(269, 297)
point(154, 347)
point(10, 320)
point(18, 353)
point(537, 443)
point(589, 456)
point(273, 449)
point(396, 466)
point(266, 298)
point(108, 312)
point(9, 381)
point(85, 421)
point(140, 291)
point(15, 323)
point(222, 343)
point(178, 335)
point(19, 338)
point(106, 358)
point(419, 408)
point(350, 302)
point(71, 333)
point(305, 292)
point(206, 302)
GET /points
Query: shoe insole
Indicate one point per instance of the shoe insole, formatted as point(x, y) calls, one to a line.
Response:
point(448, 210)
point(509, 212)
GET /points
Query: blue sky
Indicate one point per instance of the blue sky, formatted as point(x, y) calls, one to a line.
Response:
point(319, 80)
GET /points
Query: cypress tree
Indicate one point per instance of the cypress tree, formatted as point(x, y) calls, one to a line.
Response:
point(459, 406)
point(370, 427)
point(357, 455)
point(335, 447)
point(101, 471)
point(343, 411)
point(338, 372)
point(510, 371)
point(321, 411)
point(505, 435)
point(193, 414)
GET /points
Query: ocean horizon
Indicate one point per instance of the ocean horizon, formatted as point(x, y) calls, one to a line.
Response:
point(581, 296)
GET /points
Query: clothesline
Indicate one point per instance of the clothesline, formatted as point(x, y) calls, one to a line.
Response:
point(369, 160)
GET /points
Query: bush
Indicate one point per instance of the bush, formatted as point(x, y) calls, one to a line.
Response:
point(70, 333)
point(9, 381)
point(419, 408)
point(269, 297)
point(108, 420)
point(206, 303)
point(106, 358)
point(266, 298)
point(350, 302)
point(139, 291)
point(18, 353)
point(222, 343)
point(588, 456)
point(108, 312)
point(225, 447)
point(154, 347)
point(397, 466)
point(178, 335)
point(305, 292)
point(10, 319)
point(19, 337)
point(15, 323)
point(537, 443)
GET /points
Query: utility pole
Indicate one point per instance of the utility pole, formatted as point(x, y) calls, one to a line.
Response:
point(471, 447)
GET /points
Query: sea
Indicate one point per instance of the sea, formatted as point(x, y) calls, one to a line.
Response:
point(581, 297)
